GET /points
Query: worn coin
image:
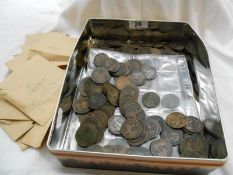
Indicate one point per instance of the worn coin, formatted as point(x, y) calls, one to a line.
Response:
point(134, 111)
point(170, 101)
point(66, 103)
point(174, 136)
point(149, 72)
point(218, 149)
point(176, 120)
point(121, 71)
point(128, 69)
point(112, 93)
point(80, 105)
point(195, 146)
point(95, 148)
point(101, 116)
point(92, 88)
point(108, 109)
point(138, 78)
point(100, 75)
point(99, 59)
point(194, 125)
point(131, 128)
point(86, 135)
point(115, 123)
point(96, 101)
point(118, 149)
point(152, 127)
point(150, 100)
point(161, 147)
point(160, 120)
point(214, 127)
point(124, 81)
point(82, 86)
point(136, 65)
point(138, 151)
point(176, 45)
point(111, 65)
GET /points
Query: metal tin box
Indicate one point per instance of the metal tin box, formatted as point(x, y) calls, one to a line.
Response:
point(134, 37)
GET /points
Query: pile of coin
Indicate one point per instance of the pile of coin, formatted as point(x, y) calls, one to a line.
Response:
point(99, 98)
point(98, 95)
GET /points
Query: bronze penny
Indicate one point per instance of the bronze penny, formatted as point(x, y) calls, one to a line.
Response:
point(100, 75)
point(96, 101)
point(176, 120)
point(86, 135)
point(131, 129)
point(99, 59)
point(80, 106)
point(124, 81)
point(194, 125)
point(66, 103)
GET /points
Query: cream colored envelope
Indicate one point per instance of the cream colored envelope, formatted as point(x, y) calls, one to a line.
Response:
point(32, 88)
point(35, 136)
point(17, 128)
point(8, 122)
point(9, 112)
point(55, 43)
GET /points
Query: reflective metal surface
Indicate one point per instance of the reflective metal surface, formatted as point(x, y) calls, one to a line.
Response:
point(184, 73)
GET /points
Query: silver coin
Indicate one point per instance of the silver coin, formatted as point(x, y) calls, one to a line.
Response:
point(149, 72)
point(152, 127)
point(174, 136)
point(150, 99)
point(138, 151)
point(114, 124)
point(100, 75)
point(170, 101)
point(138, 78)
point(161, 147)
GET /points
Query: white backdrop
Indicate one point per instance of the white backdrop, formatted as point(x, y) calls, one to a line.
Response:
point(211, 19)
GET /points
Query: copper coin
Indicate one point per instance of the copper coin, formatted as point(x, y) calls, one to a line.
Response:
point(111, 65)
point(99, 59)
point(112, 93)
point(80, 105)
point(214, 127)
point(108, 109)
point(176, 120)
point(131, 128)
point(152, 127)
point(161, 147)
point(121, 71)
point(128, 69)
point(100, 75)
point(66, 103)
point(96, 101)
point(86, 135)
point(124, 81)
point(83, 84)
point(101, 116)
point(194, 125)
point(174, 136)
point(150, 100)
